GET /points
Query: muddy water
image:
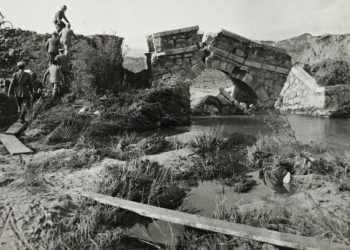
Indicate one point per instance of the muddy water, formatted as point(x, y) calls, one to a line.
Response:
point(208, 194)
point(203, 200)
point(204, 197)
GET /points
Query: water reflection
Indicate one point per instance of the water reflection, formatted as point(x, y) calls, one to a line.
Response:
point(334, 133)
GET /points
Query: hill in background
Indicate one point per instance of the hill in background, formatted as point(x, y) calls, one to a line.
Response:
point(326, 57)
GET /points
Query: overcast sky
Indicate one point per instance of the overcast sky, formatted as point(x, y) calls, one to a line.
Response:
point(134, 19)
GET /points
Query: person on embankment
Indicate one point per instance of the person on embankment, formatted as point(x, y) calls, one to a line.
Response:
point(63, 60)
point(52, 46)
point(56, 78)
point(61, 14)
point(37, 87)
point(21, 87)
point(66, 35)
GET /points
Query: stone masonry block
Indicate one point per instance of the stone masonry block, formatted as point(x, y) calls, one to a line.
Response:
point(196, 57)
point(269, 67)
point(253, 64)
point(218, 51)
point(236, 58)
point(282, 70)
point(229, 68)
point(248, 78)
point(240, 53)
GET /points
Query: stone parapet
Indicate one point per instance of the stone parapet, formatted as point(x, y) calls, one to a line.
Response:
point(173, 39)
point(176, 52)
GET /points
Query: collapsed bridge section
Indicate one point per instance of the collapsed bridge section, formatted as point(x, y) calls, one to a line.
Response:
point(258, 71)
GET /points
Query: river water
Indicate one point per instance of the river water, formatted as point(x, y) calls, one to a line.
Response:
point(334, 133)
point(203, 198)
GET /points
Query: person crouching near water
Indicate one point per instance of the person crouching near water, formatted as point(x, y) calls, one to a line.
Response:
point(56, 78)
point(21, 87)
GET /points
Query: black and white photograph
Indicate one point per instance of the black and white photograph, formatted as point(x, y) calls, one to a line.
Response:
point(174, 125)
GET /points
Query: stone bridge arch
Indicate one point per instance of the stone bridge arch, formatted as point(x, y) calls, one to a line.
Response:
point(258, 71)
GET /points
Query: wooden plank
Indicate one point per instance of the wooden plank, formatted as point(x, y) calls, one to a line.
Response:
point(239, 230)
point(13, 145)
point(15, 128)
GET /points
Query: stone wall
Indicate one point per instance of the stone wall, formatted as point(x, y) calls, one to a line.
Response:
point(176, 52)
point(302, 94)
point(254, 67)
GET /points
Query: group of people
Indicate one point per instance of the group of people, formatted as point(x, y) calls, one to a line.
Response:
point(25, 86)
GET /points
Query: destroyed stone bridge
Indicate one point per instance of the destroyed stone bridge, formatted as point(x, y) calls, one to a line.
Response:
point(258, 71)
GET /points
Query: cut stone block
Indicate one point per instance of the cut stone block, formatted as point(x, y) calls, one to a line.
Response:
point(253, 64)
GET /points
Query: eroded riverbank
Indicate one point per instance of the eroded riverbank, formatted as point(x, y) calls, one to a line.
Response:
point(207, 173)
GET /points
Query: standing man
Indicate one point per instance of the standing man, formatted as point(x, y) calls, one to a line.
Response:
point(52, 46)
point(66, 38)
point(56, 77)
point(58, 18)
point(21, 86)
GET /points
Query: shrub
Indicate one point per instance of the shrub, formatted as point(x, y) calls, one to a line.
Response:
point(98, 69)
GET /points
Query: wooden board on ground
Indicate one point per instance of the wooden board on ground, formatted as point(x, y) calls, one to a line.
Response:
point(248, 232)
point(15, 128)
point(13, 145)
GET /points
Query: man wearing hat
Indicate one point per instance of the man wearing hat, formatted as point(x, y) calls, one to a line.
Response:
point(52, 46)
point(21, 86)
point(58, 18)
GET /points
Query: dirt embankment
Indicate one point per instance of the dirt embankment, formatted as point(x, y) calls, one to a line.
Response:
point(325, 57)
point(29, 46)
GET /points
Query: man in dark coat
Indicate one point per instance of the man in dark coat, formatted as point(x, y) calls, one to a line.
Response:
point(21, 86)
